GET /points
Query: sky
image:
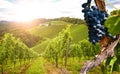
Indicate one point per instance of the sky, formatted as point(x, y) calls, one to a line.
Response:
point(25, 10)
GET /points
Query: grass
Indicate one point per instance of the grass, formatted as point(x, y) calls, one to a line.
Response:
point(40, 47)
point(59, 23)
point(79, 32)
point(74, 68)
point(37, 67)
point(47, 31)
point(75, 64)
point(9, 68)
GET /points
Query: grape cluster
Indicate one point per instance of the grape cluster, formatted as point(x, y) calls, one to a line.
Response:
point(95, 20)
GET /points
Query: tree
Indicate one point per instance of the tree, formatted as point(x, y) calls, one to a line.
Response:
point(2, 56)
point(75, 50)
point(11, 49)
point(59, 47)
point(68, 37)
point(8, 43)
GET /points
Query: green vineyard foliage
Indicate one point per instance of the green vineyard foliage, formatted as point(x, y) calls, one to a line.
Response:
point(113, 23)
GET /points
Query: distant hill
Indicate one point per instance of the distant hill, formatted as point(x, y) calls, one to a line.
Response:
point(78, 32)
point(48, 31)
point(37, 31)
point(19, 30)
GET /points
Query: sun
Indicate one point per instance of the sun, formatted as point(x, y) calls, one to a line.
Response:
point(27, 10)
point(25, 13)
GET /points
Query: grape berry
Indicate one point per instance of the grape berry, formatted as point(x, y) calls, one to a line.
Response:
point(95, 20)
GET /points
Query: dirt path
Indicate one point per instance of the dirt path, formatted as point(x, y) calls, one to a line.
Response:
point(24, 68)
point(18, 69)
point(51, 69)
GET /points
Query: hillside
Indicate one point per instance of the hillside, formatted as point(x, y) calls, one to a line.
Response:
point(41, 46)
point(78, 32)
point(49, 31)
point(38, 37)
point(56, 26)
point(19, 30)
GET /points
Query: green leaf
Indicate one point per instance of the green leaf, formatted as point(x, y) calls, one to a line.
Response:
point(113, 24)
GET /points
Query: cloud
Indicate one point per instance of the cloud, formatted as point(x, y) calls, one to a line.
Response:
point(41, 8)
point(5, 4)
point(17, 9)
point(112, 5)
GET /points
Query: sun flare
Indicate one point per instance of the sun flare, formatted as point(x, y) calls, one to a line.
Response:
point(25, 13)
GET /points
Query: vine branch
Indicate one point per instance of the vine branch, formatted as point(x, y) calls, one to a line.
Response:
point(108, 52)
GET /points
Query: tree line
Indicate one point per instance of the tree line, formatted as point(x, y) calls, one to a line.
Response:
point(77, 21)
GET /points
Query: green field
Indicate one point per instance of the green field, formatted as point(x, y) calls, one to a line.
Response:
point(78, 32)
point(56, 27)
point(37, 67)
point(47, 31)
point(39, 48)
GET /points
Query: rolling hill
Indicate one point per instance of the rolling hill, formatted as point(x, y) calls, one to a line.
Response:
point(78, 32)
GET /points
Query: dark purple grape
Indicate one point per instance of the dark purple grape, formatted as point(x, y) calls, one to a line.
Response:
point(106, 15)
point(95, 20)
point(94, 8)
point(84, 5)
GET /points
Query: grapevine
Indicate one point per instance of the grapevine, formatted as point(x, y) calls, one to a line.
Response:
point(95, 20)
point(95, 17)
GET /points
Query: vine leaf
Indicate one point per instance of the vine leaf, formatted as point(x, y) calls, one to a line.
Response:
point(108, 52)
point(113, 23)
